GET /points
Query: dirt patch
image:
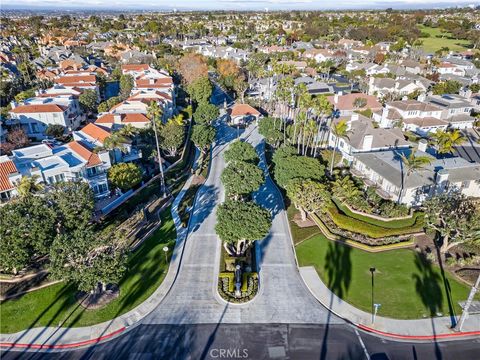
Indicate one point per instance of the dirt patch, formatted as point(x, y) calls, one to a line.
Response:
point(468, 274)
point(98, 300)
point(297, 219)
point(425, 243)
point(197, 180)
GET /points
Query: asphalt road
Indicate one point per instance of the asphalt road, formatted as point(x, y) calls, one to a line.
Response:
point(256, 342)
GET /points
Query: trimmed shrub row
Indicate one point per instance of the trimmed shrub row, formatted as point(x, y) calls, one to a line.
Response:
point(372, 231)
point(390, 224)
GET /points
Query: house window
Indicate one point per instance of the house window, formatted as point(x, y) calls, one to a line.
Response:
point(92, 171)
point(465, 184)
point(34, 128)
point(100, 188)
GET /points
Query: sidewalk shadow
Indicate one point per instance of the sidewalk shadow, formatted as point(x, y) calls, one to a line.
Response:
point(338, 267)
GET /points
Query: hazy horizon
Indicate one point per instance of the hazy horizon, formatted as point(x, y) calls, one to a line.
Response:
point(245, 5)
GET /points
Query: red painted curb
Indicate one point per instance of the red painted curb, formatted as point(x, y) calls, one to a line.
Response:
point(419, 337)
point(63, 346)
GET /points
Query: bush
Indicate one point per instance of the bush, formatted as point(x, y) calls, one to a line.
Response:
point(249, 288)
point(392, 224)
point(372, 231)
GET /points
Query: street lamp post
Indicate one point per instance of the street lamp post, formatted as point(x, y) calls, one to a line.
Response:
point(372, 271)
point(165, 250)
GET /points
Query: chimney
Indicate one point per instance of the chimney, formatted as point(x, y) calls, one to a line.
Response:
point(151, 81)
point(421, 97)
point(442, 176)
point(105, 157)
point(335, 99)
point(422, 145)
point(13, 104)
point(117, 118)
point(367, 142)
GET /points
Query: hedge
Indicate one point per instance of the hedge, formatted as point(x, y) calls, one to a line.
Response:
point(231, 280)
point(366, 247)
point(387, 224)
point(372, 231)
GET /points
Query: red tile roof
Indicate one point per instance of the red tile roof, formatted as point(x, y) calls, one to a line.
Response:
point(95, 132)
point(81, 150)
point(6, 168)
point(345, 102)
point(126, 118)
point(244, 109)
point(41, 108)
point(135, 67)
point(76, 79)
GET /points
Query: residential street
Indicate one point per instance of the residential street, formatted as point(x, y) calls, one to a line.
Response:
point(283, 297)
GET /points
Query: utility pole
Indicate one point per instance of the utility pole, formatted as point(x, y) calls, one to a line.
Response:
point(467, 304)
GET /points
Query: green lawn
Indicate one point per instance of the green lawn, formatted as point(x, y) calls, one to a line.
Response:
point(56, 304)
point(433, 43)
point(406, 285)
point(299, 234)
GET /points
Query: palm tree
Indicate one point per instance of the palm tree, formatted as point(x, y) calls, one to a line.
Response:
point(447, 140)
point(344, 188)
point(154, 112)
point(412, 163)
point(28, 185)
point(339, 130)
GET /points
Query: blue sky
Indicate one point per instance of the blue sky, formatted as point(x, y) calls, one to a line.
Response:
point(233, 4)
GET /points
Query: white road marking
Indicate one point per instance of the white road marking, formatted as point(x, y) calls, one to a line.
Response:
point(362, 344)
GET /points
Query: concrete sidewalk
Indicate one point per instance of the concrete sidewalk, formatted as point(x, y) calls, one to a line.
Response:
point(48, 337)
point(434, 327)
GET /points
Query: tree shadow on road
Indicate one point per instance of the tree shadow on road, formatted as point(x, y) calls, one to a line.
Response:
point(204, 204)
point(338, 269)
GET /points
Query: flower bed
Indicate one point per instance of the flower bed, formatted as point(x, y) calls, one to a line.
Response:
point(249, 288)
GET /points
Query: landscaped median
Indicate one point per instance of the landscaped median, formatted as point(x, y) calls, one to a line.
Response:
point(57, 304)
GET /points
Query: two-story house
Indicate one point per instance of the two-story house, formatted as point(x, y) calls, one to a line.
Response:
point(37, 113)
point(363, 136)
point(454, 108)
point(73, 161)
point(386, 171)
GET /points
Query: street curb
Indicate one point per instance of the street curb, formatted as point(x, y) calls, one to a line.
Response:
point(64, 346)
point(419, 337)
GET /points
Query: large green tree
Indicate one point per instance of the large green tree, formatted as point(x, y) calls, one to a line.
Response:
point(88, 260)
point(308, 196)
point(289, 167)
point(88, 100)
point(205, 113)
point(27, 228)
point(241, 151)
point(455, 218)
point(241, 178)
point(126, 86)
point(240, 223)
point(203, 136)
point(172, 135)
point(125, 175)
point(73, 202)
point(268, 128)
point(200, 90)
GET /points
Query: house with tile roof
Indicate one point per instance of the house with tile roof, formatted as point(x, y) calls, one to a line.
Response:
point(74, 161)
point(95, 135)
point(9, 177)
point(240, 114)
point(55, 106)
point(345, 105)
